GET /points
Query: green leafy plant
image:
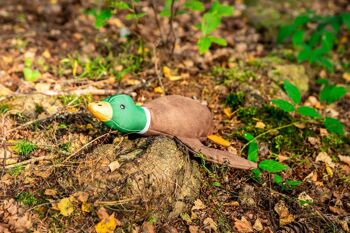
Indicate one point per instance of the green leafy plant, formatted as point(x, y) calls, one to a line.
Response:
point(24, 147)
point(210, 20)
point(315, 43)
point(271, 166)
point(15, 171)
point(333, 125)
point(29, 73)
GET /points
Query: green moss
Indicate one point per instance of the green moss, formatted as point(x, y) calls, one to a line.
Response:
point(233, 74)
point(27, 198)
point(39, 109)
point(332, 141)
point(234, 100)
point(24, 147)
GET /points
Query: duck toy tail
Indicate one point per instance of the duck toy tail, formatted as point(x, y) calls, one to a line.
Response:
point(218, 156)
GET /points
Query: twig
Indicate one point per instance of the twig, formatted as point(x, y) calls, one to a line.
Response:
point(153, 6)
point(32, 160)
point(171, 27)
point(159, 76)
point(118, 202)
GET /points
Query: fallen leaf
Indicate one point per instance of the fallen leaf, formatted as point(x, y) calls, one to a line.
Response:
point(243, 225)
point(107, 224)
point(346, 76)
point(86, 207)
point(170, 75)
point(158, 90)
point(210, 224)
point(44, 173)
point(313, 141)
point(329, 171)
point(324, 157)
point(323, 132)
point(186, 218)
point(65, 206)
point(299, 125)
point(282, 158)
point(4, 91)
point(81, 196)
point(148, 227)
point(260, 125)
point(114, 165)
point(305, 198)
point(337, 210)
point(42, 87)
point(219, 140)
point(344, 159)
point(193, 229)
point(228, 112)
point(50, 192)
point(198, 205)
point(283, 212)
point(258, 225)
point(46, 54)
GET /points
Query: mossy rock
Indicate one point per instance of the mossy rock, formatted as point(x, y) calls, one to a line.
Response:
point(153, 178)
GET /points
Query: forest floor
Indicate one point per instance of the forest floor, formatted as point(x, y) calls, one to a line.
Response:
point(47, 132)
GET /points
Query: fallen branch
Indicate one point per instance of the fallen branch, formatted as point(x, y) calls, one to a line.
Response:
point(32, 160)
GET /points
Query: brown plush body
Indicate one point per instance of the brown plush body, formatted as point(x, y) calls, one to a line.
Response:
point(190, 122)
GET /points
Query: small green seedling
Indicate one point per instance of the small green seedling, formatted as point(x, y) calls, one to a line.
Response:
point(24, 147)
point(29, 73)
point(27, 198)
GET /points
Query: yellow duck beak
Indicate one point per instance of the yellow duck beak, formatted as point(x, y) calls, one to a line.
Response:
point(102, 110)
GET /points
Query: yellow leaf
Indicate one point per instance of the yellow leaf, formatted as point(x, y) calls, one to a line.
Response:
point(219, 140)
point(329, 171)
point(86, 207)
point(174, 77)
point(346, 76)
point(158, 90)
point(169, 74)
point(107, 225)
point(65, 206)
point(167, 71)
point(228, 112)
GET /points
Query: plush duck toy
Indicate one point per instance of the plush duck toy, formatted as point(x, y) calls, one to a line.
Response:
point(173, 115)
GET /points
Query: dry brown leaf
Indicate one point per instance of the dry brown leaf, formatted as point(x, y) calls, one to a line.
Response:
point(282, 158)
point(344, 159)
point(346, 76)
point(43, 172)
point(50, 192)
point(193, 229)
point(81, 196)
point(243, 225)
point(148, 227)
point(305, 198)
point(4, 91)
point(198, 205)
point(283, 212)
point(337, 210)
point(324, 157)
point(329, 171)
point(114, 165)
point(219, 140)
point(210, 224)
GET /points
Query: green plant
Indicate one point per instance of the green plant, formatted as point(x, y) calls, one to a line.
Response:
point(333, 125)
point(15, 171)
point(315, 43)
point(270, 166)
point(4, 108)
point(24, 147)
point(27, 198)
point(29, 73)
point(210, 20)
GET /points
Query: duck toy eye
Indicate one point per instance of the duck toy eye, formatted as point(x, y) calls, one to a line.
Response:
point(122, 106)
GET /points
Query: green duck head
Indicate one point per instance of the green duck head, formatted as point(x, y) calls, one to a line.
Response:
point(120, 112)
